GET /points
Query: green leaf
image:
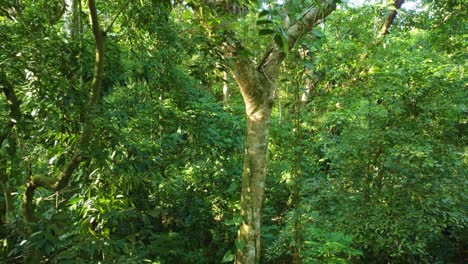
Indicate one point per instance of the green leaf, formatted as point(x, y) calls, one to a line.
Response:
point(264, 22)
point(228, 257)
point(232, 187)
point(264, 13)
point(284, 39)
point(318, 33)
point(309, 65)
point(266, 31)
point(239, 244)
point(237, 219)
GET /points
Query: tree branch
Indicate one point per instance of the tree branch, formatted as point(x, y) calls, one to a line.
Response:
point(59, 14)
point(116, 16)
point(14, 105)
point(391, 17)
point(383, 31)
point(99, 59)
point(311, 17)
point(6, 13)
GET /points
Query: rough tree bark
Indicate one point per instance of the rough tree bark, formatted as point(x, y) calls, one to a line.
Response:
point(257, 85)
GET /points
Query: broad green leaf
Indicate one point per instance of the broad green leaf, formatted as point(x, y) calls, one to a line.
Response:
point(228, 257)
point(266, 31)
point(239, 244)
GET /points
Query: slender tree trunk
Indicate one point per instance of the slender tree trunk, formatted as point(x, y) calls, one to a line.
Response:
point(298, 177)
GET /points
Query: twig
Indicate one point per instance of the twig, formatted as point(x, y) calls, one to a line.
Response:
point(116, 16)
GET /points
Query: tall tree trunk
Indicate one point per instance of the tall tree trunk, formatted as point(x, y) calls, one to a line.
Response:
point(257, 92)
point(257, 85)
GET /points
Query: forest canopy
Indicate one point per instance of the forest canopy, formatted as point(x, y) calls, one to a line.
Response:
point(233, 131)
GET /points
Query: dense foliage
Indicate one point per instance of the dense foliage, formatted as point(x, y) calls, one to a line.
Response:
point(367, 159)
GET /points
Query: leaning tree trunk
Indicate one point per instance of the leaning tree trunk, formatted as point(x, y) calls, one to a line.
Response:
point(60, 181)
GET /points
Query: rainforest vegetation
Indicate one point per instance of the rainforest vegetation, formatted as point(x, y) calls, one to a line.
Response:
point(233, 131)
